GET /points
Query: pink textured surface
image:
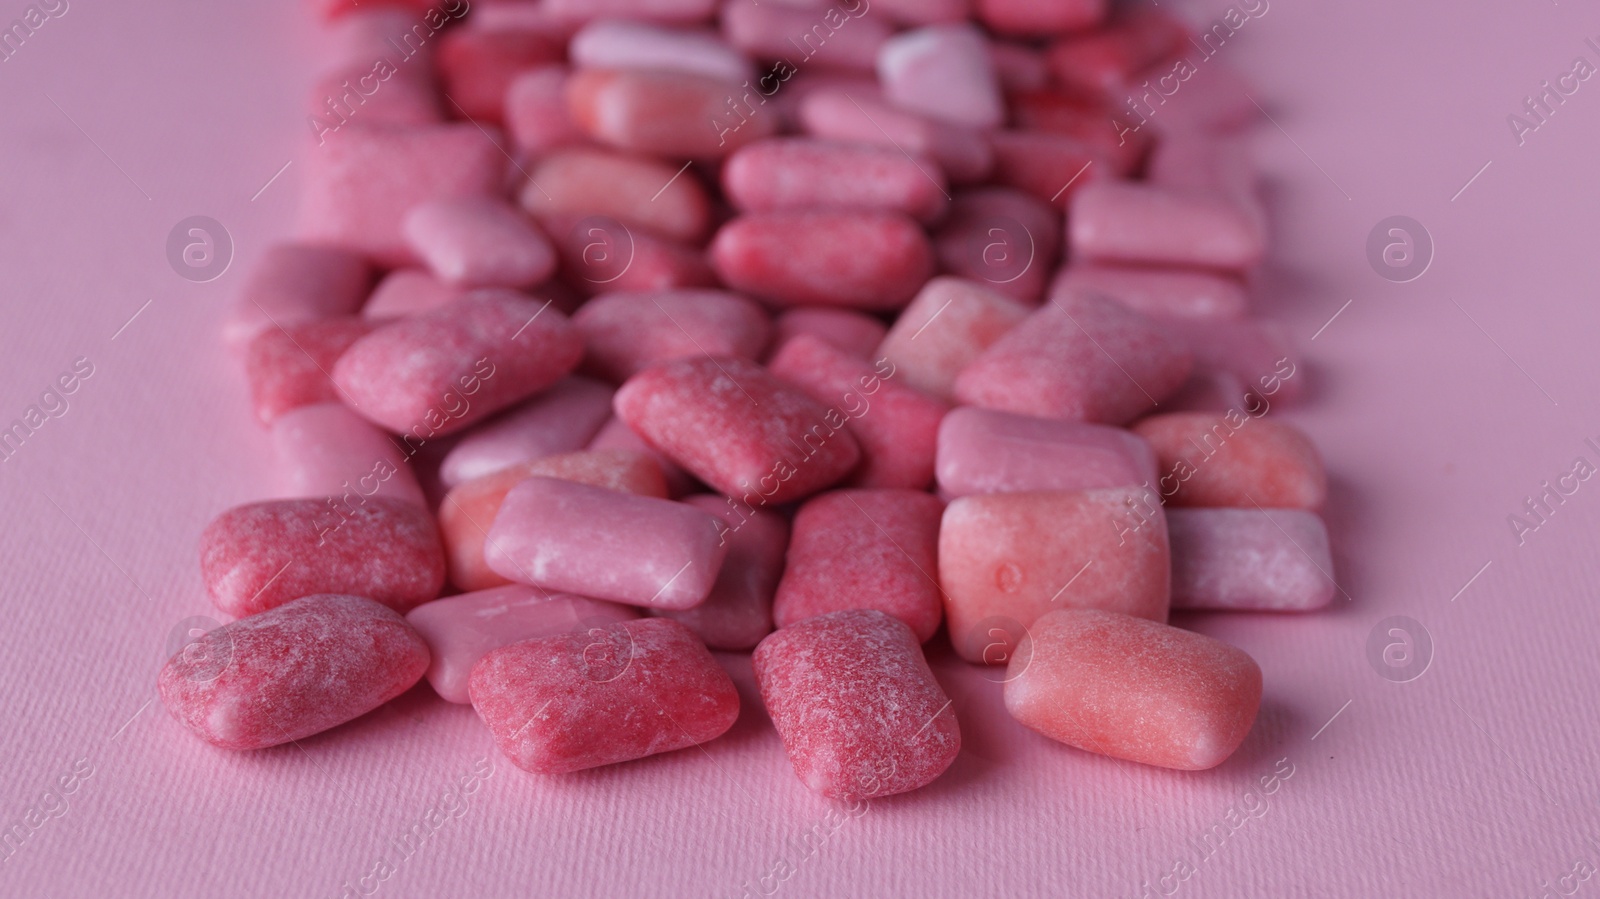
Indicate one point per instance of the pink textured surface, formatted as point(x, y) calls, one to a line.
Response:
point(1474, 779)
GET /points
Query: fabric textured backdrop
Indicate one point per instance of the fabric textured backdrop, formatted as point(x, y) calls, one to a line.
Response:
point(1440, 404)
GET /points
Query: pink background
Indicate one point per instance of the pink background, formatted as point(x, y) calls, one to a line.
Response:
point(1478, 778)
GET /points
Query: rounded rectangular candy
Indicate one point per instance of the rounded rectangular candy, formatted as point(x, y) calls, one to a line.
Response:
point(1052, 167)
point(562, 419)
point(664, 113)
point(856, 705)
point(943, 71)
point(853, 332)
point(609, 545)
point(812, 173)
point(1154, 291)
point(536, 113)
point(291, 672)
point(1124, 221)
point(1084, 119)
point(1244, 559)
point(860, 259)
point(844, 37)
point(1003, 238)
point(739, 428)
point(1007, 558)
point(843, 115)
point(948, 325)
point(1102, 61)
point(436, 373)
point(628, 332)
point(637, 191)
point(468, 510)
point(408, 291)
point(1133, 689)
point(607, 695)
point(476, 66)
point(985, 451)
point(327, 450)
point(896, 425)
point(259, 556)
point(1254, 354)
point(1234, 459)
point(664, 11)
point(603, 255)
point(864, 549)
point(479, 242)
point(621, 44)
point(462, 629)
point(615, 434)
point(296, 283)
point(1087, 359)
point(738, 613)
point(288, 366)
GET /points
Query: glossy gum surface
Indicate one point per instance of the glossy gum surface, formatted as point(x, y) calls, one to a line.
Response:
point(984, 451)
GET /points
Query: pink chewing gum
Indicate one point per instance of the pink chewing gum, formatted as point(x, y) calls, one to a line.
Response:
point(949, 324)
point(771, 440)
point(1152, 291)
point(738, 613)
point(1235, 460)
point(476, 67)
point(560, 420)
point(602, 543)
point(479, 242)
point(1003, 238)
point(1102, 61)
point(408, 291)
point(261, 555)
point(864, 549)
point(441, 371)
point(360, 186)
point(291, 672)
point(663, 113)
point(1215, 97)
point(1085, 120)
point(295, 283)
point(1018, 66)
point(896, 425)
point(1052, 167)
point(809, 173)
point(288, 367)
point(856, 705)
point(1091, 359)
point(1007, 558)
point(621, 44)
point(843, 37)
point(985, 451)
point(1121, 221)
point(863, 260)
point(1253, 354)
point(628, 332)
point(468, 510)
point(853, 332)
point(327, 450)
point(943, 71)
point(616, 435)
point(1037, 18)
point(603, 255)
point(839, 114)
point(1134, 689)
point(638, 192)
point(460, 630)
point(536, 113)
point(1274, 560)
point(577, 12)
point(612, 694)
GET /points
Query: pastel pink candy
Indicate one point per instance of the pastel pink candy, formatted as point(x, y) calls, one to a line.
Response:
point(896, 425)
point(259, 556)
point(613, 694)
point(462, 629)
point(408, 291)
point(622, 44)
point(948, 325)
point(863, 259)
point(288, 367)
point(637, 191)
point(295, 283)
point(738, 613)
point(291, 672)
point(477, 65)
point(609, 545)
point(358, 188)
point(663, 113)
point(1204, 162)
point(1007, 558)
point(1236, 460)
point(1253, 354)
point(1088, 359)
point(603, 255)
point(1019, 66)
point(1040, 17)
point(923, 12)
point(773, 443)
point(811, 173)
point(1052, 167)
point(843, 115)
point(1003, 238)
point(327, 450)
point(853, 332)
point(943, 71)
point(1176, 293)
point(615, 434)
point(479, 242)
point(669, 11)
point(1134, 689)
point(560, 420)
point(628, 332)
point(985, 451)
point(1249, 559)
point(441, 371)
point(864, 549)
point(1123, 221)
point(844, 36)
point(536, 113)
point(856, 706)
